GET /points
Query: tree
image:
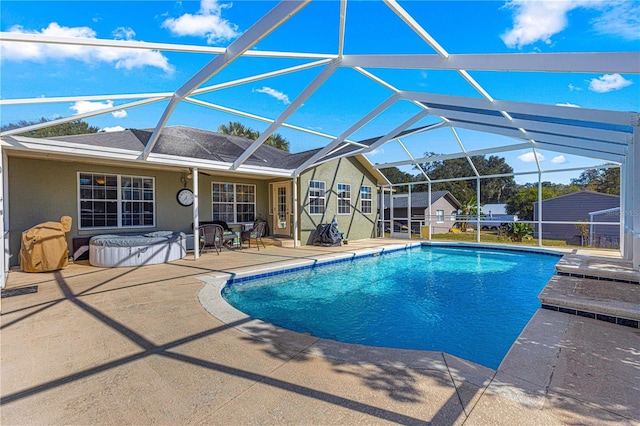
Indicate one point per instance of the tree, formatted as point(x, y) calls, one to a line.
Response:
point(605, 180)
point(468, 211)
point(395, 175)
point(493, 190)
point(76, 127)
point(521, 203)
point(235, 128)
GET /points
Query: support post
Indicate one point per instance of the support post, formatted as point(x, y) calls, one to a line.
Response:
point(3, 205)
point(196, 216)
point(478, 209)
point(430, 212)
point(295, 211)
point(633, 206)
point(381, 211)
point(539, 209)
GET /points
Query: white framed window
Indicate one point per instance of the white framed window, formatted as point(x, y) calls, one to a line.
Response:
point(344, 198)
point(115, 201)
point(233, 202)
point(317, 197)
point(454, 214)
point(366, 200)
point(439, 216)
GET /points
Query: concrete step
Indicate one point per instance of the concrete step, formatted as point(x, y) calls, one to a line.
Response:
point(613, 269)
point(279, 241)
point(611, 301)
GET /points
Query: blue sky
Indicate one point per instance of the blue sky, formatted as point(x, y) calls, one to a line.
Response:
point(31, 71)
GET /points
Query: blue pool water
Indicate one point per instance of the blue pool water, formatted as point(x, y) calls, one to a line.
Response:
point(468, 302)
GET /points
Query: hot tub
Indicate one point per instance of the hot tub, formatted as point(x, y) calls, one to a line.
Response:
point(119, 250)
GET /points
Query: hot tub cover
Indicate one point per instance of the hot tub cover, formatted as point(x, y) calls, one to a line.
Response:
point(137, 240)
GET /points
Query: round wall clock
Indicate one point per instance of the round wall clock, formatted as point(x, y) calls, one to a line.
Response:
point(185, 197)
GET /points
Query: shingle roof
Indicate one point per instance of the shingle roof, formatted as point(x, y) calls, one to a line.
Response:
point(419, 199)
point(188, 142)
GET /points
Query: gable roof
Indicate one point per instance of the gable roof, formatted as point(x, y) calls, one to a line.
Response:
point(421, 199)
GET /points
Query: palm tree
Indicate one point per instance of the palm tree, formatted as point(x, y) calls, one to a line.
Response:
point(235, 128)
point(468, 210)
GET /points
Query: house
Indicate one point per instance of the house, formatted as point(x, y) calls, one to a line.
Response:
point(581, 206)
point(99, 180)
point(444, 209)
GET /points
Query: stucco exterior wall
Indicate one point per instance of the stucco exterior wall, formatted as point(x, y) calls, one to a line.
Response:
point(355, 225)
point(45, 190)
point(447, 224)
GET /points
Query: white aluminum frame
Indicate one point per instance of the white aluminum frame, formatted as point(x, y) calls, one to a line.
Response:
point(537, 131)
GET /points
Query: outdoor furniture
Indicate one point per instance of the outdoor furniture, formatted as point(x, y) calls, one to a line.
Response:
point(211, 236)
point(256, 233)
point(231, 240)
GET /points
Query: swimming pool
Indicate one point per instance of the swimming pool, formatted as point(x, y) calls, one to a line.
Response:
point(469, 302)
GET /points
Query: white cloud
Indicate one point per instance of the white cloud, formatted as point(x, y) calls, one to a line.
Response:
point(567, 104)
point(530, 158)
point(112, 129)
point(207, 22)
point(621, 19)
point(274, 93)
point(377, 151)
point(560, 159)
point(120, 58)
point(535, 20)
point(576, 88)
point(82, 107)
point(124, 33)
point(608, 83)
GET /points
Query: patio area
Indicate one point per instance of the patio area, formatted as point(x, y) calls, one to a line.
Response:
point(137, 346)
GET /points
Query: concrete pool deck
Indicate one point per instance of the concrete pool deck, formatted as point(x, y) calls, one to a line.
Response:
point(137, 346)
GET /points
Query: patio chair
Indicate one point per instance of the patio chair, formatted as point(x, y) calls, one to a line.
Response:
point(211, 236)
point(256, 233)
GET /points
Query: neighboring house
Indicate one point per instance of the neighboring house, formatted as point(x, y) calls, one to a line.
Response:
point(99, 180)
point(581, 206)
point(444, 209)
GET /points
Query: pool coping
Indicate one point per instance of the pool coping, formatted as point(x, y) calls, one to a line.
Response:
point(210, 297)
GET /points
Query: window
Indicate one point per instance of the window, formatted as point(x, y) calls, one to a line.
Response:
point(344, 198)
point(233, 202)
point(115, 201)
point(316, 197)
point(454, 213)
point(366, 203)
point(439, 216)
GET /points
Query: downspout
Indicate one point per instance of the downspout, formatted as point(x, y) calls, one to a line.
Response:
point(196, 217)
point(295, 211)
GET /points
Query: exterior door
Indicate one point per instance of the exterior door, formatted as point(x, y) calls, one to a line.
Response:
point(400, 208)
point(281, 208)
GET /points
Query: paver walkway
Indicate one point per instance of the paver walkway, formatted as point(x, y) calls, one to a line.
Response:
point(136, 346)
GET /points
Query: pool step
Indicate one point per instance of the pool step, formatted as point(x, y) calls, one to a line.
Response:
point(612, 301)
point(607, 268)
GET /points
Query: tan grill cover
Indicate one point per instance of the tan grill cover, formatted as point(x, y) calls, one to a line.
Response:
point(44, 247)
